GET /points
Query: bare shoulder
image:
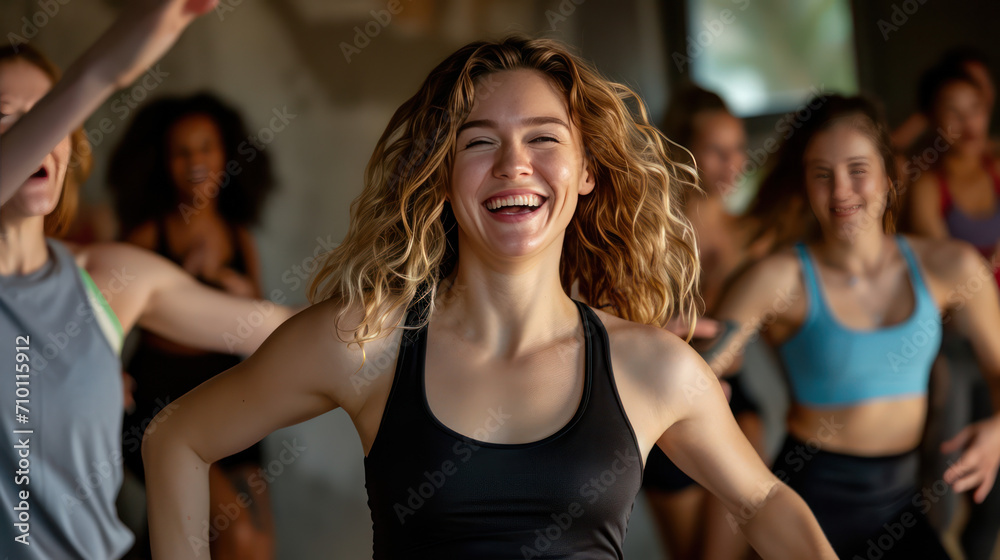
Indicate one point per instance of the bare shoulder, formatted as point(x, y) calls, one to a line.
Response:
point(946, 261)
point(775, 275)
point(325, 330)
point(652, 359)
point(123, 261)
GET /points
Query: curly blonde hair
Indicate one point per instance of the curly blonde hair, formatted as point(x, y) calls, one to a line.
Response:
point(628, 245)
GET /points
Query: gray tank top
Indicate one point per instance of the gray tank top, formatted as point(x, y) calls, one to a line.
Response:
point(60, 416)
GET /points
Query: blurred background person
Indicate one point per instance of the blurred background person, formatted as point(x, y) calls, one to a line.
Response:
point(198, 201)
point(959, 197)
point(692, 523)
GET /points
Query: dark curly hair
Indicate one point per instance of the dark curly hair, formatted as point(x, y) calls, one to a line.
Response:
point(139, 174)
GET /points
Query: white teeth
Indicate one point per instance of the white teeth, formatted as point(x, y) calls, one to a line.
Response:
point(518, 200)
point(845, 210)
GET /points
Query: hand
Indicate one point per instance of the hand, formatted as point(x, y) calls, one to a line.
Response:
point(703, 327)
point(203, 259)
point(235, 283)
point(977, 466)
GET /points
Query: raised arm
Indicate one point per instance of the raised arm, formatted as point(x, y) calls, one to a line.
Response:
point(300, 372)
point(974, 307)
point(707, 444)
point(145, 30)
point(146, 289)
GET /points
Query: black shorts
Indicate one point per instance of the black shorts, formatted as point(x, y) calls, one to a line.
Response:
point(663, 475)
point(868, 507)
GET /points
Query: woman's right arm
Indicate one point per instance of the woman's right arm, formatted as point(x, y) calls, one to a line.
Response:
point(145, 31)
point(301, 371)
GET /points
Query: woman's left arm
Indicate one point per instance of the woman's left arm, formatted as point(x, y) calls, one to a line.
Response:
point(146, 289)
point(143, 32)
point(973, 307)
point(705, 442)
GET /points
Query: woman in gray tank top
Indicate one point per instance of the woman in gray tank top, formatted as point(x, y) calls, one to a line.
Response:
point(64, 309)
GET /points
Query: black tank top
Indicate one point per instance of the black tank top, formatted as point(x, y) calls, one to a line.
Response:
point(434, 493)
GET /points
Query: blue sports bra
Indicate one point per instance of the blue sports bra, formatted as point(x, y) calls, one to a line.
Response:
point(829, 364)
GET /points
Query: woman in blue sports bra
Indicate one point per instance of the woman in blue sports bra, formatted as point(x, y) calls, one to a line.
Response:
point(855, 313)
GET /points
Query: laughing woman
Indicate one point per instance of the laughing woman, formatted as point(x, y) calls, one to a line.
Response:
point(511, 411)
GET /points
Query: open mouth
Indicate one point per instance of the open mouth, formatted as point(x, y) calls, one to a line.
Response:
point(197, 175)
point(516, 204)
point(845, 209)
point(42, 173)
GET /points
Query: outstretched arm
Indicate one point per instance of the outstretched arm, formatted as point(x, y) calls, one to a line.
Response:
point(707, 444)
point(146, 289)
point(300, 372)
point(767, 293)
point(145, 30)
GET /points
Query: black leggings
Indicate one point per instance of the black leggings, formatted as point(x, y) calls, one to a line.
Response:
point(869, 507)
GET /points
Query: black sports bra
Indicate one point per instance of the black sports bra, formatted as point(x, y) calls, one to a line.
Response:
point(434, 493)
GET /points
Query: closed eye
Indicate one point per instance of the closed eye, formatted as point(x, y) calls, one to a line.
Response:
point(546, 139)
point(475, 143)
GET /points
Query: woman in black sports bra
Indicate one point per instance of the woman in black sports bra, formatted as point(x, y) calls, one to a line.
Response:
point(194, 213)
point(499, 417)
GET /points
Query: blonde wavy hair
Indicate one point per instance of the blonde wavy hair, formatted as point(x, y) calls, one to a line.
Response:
point(628, 245)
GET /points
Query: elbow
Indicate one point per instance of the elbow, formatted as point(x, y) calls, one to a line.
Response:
point(161, 438)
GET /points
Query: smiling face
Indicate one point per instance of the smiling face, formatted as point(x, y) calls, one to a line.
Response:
point(719, 146)
point(518, 169)
point(961, 111)
point(22, 84)
point(846, 181)
point(195, 155)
